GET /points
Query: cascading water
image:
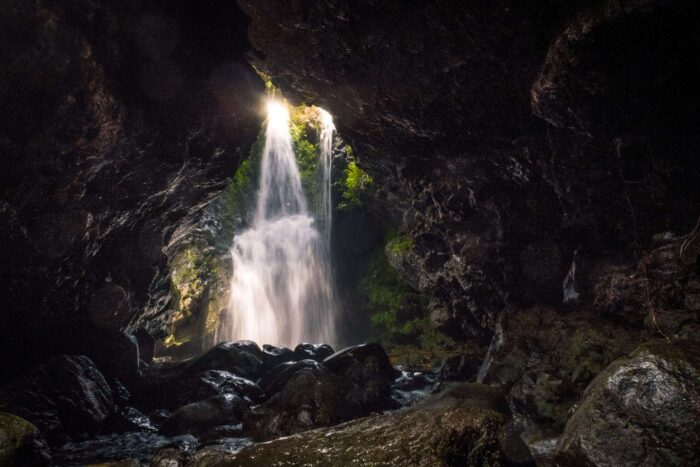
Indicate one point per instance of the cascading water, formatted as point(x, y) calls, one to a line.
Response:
point(325, 211)
point(281, 290)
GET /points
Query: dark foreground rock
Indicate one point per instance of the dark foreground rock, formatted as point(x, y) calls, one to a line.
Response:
point(642, 410)
point(201, 416)
point(237, 357)
point(228, 368)
point(464, 425)
point(66, 398)
point(21, 444)
point(351, 383)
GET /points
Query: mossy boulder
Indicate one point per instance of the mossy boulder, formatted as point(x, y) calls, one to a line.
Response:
point(20, 443)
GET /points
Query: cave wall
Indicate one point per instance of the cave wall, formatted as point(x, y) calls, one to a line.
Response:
point(118, 119)
point(518, 142)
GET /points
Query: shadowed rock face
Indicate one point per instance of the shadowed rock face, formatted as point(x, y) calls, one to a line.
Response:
point(118, 119)
point(67, 397)
point(508, 138)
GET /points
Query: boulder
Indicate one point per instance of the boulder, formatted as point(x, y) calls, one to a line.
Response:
point(273, 356)
point(66, 398)
point(307, 394)
point(643, 409)
point(21, 443)
point(310, 397)
point(127, 419)
point(198, 417)
point(229, 356)
point(170, 457)
point(459, 368)
point(367, 376)
point(223, 382)
point(171, 388)
point(316, 352)
point(115, 353)
point(464, 425)
point(276, 378)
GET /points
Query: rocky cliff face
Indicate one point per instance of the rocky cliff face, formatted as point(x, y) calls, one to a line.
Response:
point(530, 150)
point(118, 119)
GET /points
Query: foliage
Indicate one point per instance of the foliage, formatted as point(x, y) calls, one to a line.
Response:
point(356, 187)
point(396, 310)
point(233, 207)
point(400, 245)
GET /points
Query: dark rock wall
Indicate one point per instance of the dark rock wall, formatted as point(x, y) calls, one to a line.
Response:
point(513, 138)
point(118, 118)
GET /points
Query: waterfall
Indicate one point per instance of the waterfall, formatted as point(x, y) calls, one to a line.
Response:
point(325, 212)
point(281, 290)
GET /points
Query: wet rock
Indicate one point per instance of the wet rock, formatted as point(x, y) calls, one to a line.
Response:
point(171, 387)
point(141, 446)
point(231, 357)
point(115, 353)
point(459, 368)
point(316, 352)
point(465, 425)
point(411, 380)
point(250, 347)
point(67, 397)
point(170, 457)
point(223, 382)
point(224, 431)
point(310, 397)
point(642, 410)
point(274, 355)
point(201, 416)
point(367, 376)
point(157, 417)
point(127, 419)
point(146, 344)
point(277, 377)
point(21, 444)
point(547, 359)
point(350, 383)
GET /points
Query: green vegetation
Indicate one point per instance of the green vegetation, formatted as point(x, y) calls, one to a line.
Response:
point(233, 207)
point(307, 151)
point(356, 187)
point(400, 245)
point(398, 313)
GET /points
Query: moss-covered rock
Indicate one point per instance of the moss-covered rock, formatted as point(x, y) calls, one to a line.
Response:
point(20, 443)
point(547, 359)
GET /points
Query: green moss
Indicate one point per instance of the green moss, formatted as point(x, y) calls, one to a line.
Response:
point(14, 433)
point(400, 245)
point(356, 186)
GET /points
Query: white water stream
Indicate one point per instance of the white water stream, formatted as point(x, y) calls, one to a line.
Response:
point(281, 290)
